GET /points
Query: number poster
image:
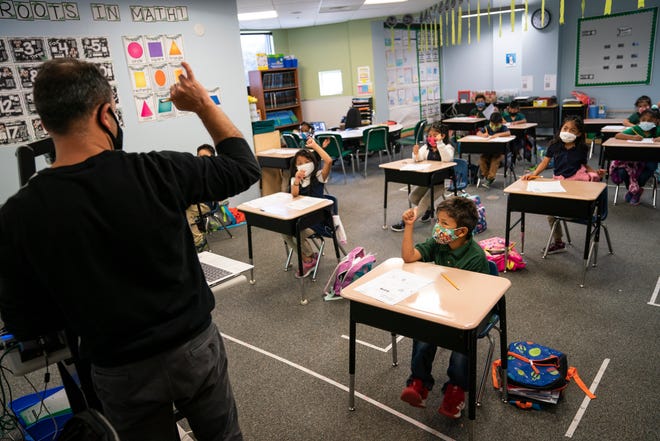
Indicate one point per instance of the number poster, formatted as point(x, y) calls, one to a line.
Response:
point(20, 59)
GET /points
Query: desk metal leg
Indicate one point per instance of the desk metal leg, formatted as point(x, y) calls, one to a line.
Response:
point(395, 361)
point(303, 299)
point(504, 347)
point(522, 233)
point(472, 374)
point(385, 206)
point(250, 257)
point(351, 365)
point(507, 236)
point(587, 241)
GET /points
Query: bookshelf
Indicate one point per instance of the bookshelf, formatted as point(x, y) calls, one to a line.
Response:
point(278, 96)
point(366, 106)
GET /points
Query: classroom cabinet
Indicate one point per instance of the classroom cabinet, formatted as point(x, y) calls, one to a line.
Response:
point(278, 96)
point(545, 117)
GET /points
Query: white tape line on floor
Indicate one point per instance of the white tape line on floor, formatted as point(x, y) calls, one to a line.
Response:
point(654, 296)
point(587, 400)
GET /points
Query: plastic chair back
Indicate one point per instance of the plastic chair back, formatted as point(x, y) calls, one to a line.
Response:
point(336, 147)
point(419, 131)
point(375, 139)
point(461, 172)
point(492, 266)
point(292, 140)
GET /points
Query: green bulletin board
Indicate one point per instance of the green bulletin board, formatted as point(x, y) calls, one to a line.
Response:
point(616, 49)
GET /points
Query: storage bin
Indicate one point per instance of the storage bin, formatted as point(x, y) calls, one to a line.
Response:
point(593, 111)
point(43, 429)
point(266, 126)
point(290, 62)
point(275, 61)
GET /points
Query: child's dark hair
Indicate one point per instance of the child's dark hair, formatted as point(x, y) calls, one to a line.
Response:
point(462, 210)
point(643, 99)
point(442, 129)
point(480, 95)
point(514, 105)
point(305, 123)
point(307, 154)
point(496, 117)
point(653, 113)
point(207, 147)
point(579, 124)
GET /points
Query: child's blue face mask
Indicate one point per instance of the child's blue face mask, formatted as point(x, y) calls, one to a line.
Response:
point(481, 104)
point(444, 235)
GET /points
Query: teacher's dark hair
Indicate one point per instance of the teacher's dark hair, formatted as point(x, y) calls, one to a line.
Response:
point(67, 90)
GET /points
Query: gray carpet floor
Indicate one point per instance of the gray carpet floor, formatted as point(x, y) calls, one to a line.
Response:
point(289, 363)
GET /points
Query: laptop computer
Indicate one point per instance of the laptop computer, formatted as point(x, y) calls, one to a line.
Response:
point(218, 269)
point(319, 126)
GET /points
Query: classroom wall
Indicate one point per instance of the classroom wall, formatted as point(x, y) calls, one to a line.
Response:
point(619, 100)
point(208, 55)
point(343, 46)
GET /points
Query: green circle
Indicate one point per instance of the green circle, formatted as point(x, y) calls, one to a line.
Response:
point(535, 352)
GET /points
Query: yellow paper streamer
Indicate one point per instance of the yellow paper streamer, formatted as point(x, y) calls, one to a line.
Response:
point(460, 25)
point(453, 28)
point(468, 20)
point(640, 4)
point(542, 11)
point(513, 15)
point(582, 8)
point(478, 20)
point(561, 12)
point(525, 18)
point(447, 27)
point(435, 32)
point(608, 7)
point(488, 12)
point(500, 29)
point(440, 21)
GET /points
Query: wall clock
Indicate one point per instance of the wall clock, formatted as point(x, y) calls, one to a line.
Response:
point(536, 19)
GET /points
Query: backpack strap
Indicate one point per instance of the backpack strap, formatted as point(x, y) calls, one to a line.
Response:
point(553, 360)
point(493, 372)
point(359, 263)
point(350, 257)
point(573, 374)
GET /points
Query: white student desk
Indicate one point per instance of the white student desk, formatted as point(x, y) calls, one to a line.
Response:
point(438, 314)
point(478, 144)
point(273, 213)
point(580, 201)
point(626, 150)
point(434, 173)
point(598, 126)
point(468, 123)
point(357, 132)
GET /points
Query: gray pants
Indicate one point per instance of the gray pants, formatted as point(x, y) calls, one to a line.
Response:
point(138, 398)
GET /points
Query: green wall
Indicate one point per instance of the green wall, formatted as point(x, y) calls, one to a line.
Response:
point(343, 46)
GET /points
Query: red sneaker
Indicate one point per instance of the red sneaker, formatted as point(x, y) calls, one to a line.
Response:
point(453, 402)
point(415, 394)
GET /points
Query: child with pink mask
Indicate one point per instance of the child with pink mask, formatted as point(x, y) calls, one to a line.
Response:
point(437, 148)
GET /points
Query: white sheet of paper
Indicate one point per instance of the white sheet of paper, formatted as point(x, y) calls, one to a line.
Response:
point(643, 141)
point(303, 203)
point(394, 286)
point(277, 151)
point(613, 128)
point(488, 111)
point(545, 187)
point(270, 200)
point(410, 167)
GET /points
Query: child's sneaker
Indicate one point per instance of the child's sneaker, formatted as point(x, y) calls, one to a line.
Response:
point(307, 268)
point(628, 196)
point(398, 227)
point(415, 394)
point(453, 402)
point(557, 247)
point(428, 215)
point(634, 199)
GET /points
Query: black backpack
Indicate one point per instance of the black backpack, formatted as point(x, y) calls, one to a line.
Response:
point(88, 425)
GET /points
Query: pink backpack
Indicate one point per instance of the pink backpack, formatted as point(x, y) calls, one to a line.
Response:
point(352, 267)
point(494, 249)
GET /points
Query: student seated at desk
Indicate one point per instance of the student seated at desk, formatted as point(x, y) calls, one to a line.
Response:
point(308, 180)
point(435, 149)
point(512, 116)
point(490, 162)
point(480, 102)
point(451, 245)
point(643, 103)
point(635, 173)
point(570, 154)
point(194, 212)
point(306, 131)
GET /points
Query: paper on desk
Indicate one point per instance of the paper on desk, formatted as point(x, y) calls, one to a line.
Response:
point(613, 128)
point(302, 203)
point(394, 286)
point(274, 199)
point(545, 187)
point(277, 151)
point(643, 141)
point(412, 167)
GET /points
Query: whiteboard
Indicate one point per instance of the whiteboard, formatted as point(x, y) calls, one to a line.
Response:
point(616, 49)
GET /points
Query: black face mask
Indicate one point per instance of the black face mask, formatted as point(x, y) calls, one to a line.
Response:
point(117, 141)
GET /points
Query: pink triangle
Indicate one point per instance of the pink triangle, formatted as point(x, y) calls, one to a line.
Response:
point(146, 111)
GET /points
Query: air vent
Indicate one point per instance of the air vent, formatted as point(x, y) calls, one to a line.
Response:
point(347, 8)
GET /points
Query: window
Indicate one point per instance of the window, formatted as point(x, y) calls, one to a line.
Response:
point(253, 44)
point(330, 83)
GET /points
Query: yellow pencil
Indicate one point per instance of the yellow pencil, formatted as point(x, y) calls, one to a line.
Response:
point(449, 280)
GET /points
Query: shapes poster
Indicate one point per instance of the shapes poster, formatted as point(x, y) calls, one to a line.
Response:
point(20, 61)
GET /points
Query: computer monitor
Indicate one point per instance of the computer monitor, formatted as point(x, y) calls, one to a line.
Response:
point(318, 126)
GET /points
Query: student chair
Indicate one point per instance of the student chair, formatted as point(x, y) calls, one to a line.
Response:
point(417, 138)
point(492, 324)
point(292, 140)
point(461, 176)
point(593, 248)
point(318, 239)
point(204, 220)
point(336, 150)
point(375, 139)
point(654, 189)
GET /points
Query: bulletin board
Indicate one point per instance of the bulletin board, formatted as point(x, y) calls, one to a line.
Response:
point(616, 49)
